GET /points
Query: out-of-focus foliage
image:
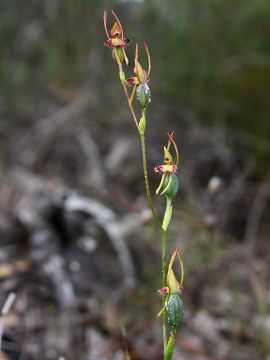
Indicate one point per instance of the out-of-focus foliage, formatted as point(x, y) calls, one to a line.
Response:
point(45, 46)
point(210, 57)
point(214, 57)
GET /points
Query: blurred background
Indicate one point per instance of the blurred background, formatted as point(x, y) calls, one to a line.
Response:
point(77, 245)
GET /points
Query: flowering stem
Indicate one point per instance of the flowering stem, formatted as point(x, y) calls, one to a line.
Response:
point(127, 96)
point(172, 310)
point(162, 227)
point(148, 193)
point(165, 224)
point(164, 283)
point(130, 106)
point(143, 148)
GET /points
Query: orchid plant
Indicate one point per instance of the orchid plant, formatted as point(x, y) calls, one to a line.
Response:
point(172, 309)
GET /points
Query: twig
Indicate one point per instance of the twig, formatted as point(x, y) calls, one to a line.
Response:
point(4, 311)
point(256, 212)
point(125, 344)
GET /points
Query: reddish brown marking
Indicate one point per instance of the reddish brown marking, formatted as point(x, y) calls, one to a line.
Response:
point(164, 291)
point(161, 169)
point(112, 43)
point(131, 81)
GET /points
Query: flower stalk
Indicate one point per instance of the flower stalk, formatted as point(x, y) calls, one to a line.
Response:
point(172, 306)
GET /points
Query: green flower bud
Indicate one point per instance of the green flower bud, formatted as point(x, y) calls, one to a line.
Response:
point(122, 76)
point(173, 189)
point(170, 348)
point(143, 95)
point(175, 310)
point(142, 125)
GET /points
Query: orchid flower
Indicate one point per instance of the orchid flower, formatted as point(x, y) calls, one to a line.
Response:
point(142, 76)
point(170, 166)
point(174, 287)
point(116, 40)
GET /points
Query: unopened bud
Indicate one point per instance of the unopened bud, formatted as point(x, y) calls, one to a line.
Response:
point(122, 76)
point(175, 310)
point(142, 125)
point(143, 95)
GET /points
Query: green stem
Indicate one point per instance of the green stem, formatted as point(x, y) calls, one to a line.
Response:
point(147, 187)
point(129, 100)
point(162, 228)
point(164, 237)
point(145, 172)
point(130, 106)
point(164, 283)
point(165, 224)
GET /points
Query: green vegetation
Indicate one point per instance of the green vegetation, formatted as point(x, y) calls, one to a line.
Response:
point(212, 57)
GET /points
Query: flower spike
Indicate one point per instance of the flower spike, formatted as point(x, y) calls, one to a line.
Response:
point(172, 283)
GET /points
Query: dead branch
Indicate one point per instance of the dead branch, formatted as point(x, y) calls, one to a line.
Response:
point(256, 212)
point(4, 311)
